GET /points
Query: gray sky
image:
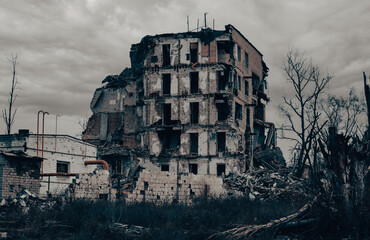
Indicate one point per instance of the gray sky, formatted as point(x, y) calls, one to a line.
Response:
point(66, 48)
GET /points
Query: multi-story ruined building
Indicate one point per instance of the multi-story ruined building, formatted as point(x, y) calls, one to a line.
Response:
point(191, 102)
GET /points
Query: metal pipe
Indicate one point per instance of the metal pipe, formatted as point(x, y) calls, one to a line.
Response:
point(60, 174)
point(43, 128)
point(56, 130)
point(37, 135)
point(106, 166)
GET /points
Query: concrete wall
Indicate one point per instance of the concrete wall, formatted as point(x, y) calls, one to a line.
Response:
point(166, 187)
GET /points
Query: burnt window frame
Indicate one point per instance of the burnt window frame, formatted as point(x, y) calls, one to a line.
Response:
point(219, 173)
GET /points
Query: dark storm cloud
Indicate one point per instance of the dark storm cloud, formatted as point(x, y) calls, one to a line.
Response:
point(67, 47)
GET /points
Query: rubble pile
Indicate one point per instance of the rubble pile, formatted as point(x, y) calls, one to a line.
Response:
point(25, 201)
point(267, 184)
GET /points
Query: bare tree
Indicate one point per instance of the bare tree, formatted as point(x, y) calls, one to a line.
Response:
point(301, 110)
point(9, 116)
point(346, 114)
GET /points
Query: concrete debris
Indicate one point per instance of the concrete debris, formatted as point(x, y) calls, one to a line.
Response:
point(266, 184)
point(26, 200)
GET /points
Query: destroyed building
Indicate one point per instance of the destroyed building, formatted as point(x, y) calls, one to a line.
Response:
point(192, 102)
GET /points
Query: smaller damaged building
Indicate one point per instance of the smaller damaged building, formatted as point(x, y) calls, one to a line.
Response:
point(19, 171)
point(191, 103)
point(51, 161)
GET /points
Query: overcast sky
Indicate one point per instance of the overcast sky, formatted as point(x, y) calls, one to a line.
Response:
point(66, 48)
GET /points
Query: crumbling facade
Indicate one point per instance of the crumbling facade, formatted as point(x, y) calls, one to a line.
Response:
point(191, 102)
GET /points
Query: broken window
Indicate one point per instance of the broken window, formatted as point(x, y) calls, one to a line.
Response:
point(194, 82)
point(222, 107)
point(166, 83)
point(193, 52)
point(170, 139)
point(238, 111)
point(246, 88)
point(167, 114)
point(165, 167)
point(166, 54)
point(221, 141)
point(220, 170)
point(255, 81)
point(194, 112)
point(193, 168)
point(223, 50)
point(239, 54)
point(222, 79)
point(194, 138)
point(246, 60)
point(62, 167)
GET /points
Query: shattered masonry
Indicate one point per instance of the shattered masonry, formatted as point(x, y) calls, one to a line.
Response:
point(191, 103)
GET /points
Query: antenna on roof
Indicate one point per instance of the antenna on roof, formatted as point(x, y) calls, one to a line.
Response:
point(187, 18)
point(205, 20)
point(198, 25)
point(213, 24)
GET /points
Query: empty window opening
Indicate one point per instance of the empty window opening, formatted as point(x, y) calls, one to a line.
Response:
point(165, 167)
point(238, 111)
point(116, 166)
point(246, 60)
point(194, 82)
point(222, 107)
point(235, 81)
point(248, 116)
point(62, 167)
point(239, 83)
point(222, 79)
point(170, 140)
point(246, 88)
point(239, 54)
point(220, 170)
point(194, 112)
point(221, 141)
point(167, 114)
point(255, 81)
point(166, 83)
point(193, 168)
point(166, 54)
point(193, 52)
point(223, 50)
point(194, 139)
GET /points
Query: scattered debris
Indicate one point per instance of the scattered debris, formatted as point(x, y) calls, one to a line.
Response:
point(264, 184)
